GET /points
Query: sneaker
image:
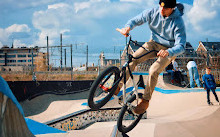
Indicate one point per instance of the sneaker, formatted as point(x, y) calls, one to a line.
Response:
point(141, 107)
point(210, 103)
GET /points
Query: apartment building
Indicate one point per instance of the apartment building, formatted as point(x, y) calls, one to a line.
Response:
point(17, 59)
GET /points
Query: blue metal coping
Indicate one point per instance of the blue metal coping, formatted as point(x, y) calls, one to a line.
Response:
point(38, 128)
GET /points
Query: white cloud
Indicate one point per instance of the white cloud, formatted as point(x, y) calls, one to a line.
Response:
point(6, 35)
point(18, 43)
point(18, 28)
point(58, 5)
point(84, 19)
point(81, 5)
point(204, 17)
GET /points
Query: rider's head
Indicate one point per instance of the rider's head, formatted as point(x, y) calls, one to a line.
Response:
point(167, 7)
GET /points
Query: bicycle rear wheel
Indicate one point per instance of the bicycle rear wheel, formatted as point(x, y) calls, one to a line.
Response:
point(103, 87)
point(127, 119)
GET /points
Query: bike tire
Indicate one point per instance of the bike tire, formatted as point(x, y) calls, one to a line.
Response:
point(126, 128)
point(95, 87)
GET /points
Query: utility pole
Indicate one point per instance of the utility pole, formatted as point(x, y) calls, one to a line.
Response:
point(71, 48)
point(61, 62)
point(120, 59)
point(65, 57)
point(87, 58)
point(32, 60)
point(32, 65)
point(48, 64)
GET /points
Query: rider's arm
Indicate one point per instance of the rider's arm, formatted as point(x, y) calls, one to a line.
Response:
point(138, 20)
point(180, 39)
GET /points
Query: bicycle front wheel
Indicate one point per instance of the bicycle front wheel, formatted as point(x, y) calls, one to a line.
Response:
point(103, 87)
point(127, 119)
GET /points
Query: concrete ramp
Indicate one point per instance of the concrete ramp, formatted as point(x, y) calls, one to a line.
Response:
point(174, 112)
point(205, 127)
point(12, 122)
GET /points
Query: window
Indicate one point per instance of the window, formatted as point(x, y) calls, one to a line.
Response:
point(9, 61)
point(13, 51)
point(2, 61)
point(11, 56)
point(21, 60)
point(21, 56)
point(29, 60)
point(30, 55)
point(2, 56)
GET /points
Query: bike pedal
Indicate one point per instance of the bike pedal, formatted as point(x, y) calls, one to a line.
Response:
point(131, 110)
point(120, 100)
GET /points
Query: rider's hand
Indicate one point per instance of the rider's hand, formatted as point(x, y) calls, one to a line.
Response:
point(124, 31)
point(163, 53)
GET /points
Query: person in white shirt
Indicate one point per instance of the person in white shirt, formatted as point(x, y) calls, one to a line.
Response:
point(193, 73)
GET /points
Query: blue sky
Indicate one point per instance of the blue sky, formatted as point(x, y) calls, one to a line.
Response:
point(93, 22)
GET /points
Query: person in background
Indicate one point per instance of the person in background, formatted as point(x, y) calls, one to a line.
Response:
point(177, 74)
point(170, 70)
point(209, 84)
point(193, 73)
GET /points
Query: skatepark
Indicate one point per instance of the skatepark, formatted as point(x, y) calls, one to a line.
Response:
point(173, 111)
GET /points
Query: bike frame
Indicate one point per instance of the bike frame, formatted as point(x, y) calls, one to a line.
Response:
point(126, 65)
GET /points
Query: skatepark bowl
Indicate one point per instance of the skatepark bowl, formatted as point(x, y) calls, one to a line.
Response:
point(173, 112)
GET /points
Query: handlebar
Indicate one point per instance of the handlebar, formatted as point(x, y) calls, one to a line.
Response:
point(128, 36)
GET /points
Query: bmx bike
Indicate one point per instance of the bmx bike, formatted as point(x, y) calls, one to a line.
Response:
point(104, 86)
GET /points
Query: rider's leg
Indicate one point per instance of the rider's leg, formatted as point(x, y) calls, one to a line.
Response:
point(148, 45)
point(157, 67)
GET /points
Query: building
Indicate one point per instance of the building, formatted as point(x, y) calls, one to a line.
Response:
point(17, 59)
point(189, 53)
point(210, 52)
point(107, 62)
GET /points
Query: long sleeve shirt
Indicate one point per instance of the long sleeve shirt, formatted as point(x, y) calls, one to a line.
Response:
point(167, 31)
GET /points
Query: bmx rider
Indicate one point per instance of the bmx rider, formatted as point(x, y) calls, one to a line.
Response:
point(168, 36)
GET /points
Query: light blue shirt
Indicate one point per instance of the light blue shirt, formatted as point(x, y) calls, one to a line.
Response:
point(167, 31)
